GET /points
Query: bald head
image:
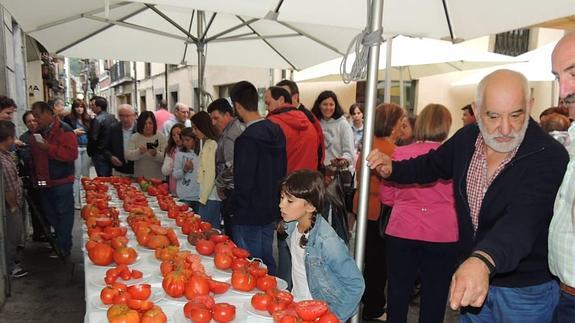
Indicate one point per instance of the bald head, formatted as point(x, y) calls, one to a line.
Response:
point(563, 65)
point(127, 116)
point(504, 85)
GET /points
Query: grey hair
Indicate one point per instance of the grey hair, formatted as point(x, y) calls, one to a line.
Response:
point(480, 91)
point(178, 105)
point(127, 107)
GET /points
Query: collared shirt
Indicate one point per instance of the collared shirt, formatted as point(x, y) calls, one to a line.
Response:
point(254, 121)
point(477, 181)
point(126, 135)
point(562, 228)
point(12, 182)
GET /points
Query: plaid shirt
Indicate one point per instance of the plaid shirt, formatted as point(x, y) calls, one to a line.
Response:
point(12, 182)
point(477, 181)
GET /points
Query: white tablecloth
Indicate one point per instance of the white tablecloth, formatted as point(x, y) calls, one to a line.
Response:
point(151, 267)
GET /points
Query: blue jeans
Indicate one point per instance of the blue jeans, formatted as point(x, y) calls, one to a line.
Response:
point(258, 240)
point(565, 311)
point(532, 304)
point(58, 206)
point(211, 213)
point(102, 165)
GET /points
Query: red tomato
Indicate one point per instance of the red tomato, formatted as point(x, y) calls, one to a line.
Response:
point(154, 315)
point(217, 238)
point(240, 252)
point(223, 261)
point(121, 298)
point(266, 282)
point(205, 226)
point(198, 313)
point(276, 305)
point(240, 263)
point(139, 305)
point(136, 274)
point(107, 295)
point(196, 286)
point(257, 269)
point(125, 256)
point(243, 281)
point(281, 295)
point(206, 300)
point(141, 291)
point(260, 301)
point(224, 312)
point(309, 310)
point(225, 246)
point(174, 284)
point(173, 237)
point(121, 313)
point(101, 254)
point(328, 317)
point(218, 287)
point(205, 247)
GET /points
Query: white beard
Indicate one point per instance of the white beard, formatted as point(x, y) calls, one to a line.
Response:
point(503, 147)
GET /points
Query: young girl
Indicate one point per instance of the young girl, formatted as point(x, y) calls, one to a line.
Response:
point(209, 199)
point(185, 170)
point(174, 144)
point(321, 265)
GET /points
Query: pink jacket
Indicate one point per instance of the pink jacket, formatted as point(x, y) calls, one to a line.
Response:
point(425, 213)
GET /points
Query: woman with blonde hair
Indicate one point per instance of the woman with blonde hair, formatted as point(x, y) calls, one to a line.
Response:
point(422, 232)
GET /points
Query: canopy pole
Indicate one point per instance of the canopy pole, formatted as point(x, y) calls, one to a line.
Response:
point(401, 88)
point(201, 60)
point(375, 23)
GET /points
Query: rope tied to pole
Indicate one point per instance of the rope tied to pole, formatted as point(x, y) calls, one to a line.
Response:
point(362, 42)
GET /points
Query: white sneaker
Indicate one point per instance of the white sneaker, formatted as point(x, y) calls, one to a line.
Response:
point(18, 272)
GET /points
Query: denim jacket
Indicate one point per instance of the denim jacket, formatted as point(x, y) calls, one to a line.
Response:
point(332, 274)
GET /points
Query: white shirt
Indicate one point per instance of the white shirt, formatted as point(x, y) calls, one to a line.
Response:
point(127, 134)
point(562, 228)
point(300, 289)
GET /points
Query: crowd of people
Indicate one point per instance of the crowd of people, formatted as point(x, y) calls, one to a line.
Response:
point(482, 220)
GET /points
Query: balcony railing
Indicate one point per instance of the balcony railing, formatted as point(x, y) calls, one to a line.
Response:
point(121, 71)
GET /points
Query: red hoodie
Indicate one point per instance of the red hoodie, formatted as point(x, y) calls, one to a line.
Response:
point(302, 140)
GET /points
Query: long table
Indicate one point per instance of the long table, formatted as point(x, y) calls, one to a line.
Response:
point(146, 262)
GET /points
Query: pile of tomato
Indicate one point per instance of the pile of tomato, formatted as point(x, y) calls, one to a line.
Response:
point(122, 313)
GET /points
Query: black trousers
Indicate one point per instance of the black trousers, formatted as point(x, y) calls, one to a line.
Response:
point(37, 230)
point(433, 262)
point(374, 272)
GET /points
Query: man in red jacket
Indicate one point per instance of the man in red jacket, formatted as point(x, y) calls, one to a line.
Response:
point(301, 138)
point(54, 149)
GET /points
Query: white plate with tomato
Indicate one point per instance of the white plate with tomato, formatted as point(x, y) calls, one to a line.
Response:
point(156, 296)
point(97, 279)
point(241, 314)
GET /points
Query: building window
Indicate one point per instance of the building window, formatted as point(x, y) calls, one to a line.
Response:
point(174, 97)
point(143, 103)
point(159, 98)
point(512, 43)
point(147, 70)
point(408, 94)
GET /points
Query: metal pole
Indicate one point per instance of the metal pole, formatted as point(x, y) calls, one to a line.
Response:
point(370, 100)
point(201, 59)
point(401, 88)
point(388, 53)
point(135, 102)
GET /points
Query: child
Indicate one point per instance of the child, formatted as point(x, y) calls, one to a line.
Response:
point(331, 274)
point(185, 170)
point(174, 144)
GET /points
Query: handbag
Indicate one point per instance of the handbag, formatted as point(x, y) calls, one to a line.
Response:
point(384, 214)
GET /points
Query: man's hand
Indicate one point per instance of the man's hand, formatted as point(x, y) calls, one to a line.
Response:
point(19, 143)
point(42, 145)
point(116, 161)
point(380, 162)
point(470, 283)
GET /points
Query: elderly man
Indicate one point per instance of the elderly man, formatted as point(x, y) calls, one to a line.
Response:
point(59, 107)
point(562, 229)
point(119, 139)
point(229, 127)
point(506, 172)
point(181, 115)
point(54, 152)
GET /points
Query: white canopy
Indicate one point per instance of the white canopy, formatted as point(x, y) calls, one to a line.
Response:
point(536, 67)
point(420, 57)
point(423, 18)
point(167, 34)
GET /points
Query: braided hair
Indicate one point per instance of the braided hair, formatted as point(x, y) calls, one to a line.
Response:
point(307, 185)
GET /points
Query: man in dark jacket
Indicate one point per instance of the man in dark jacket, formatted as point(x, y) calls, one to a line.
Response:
point(118, 140)
point(53, 155)
point(506, 172)
point(259, 166)
point(98, 136)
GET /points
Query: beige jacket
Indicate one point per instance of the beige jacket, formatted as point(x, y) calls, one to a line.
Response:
point(207, 170)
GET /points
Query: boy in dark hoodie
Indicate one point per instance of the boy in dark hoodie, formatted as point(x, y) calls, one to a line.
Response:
point(260, 164)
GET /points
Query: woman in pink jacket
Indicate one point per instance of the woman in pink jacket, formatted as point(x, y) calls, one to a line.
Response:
point(422, 232)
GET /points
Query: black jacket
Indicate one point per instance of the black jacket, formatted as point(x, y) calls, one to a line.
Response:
point(115, 147)
point(259, 166)
point(516, 209)
point(99, 132)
